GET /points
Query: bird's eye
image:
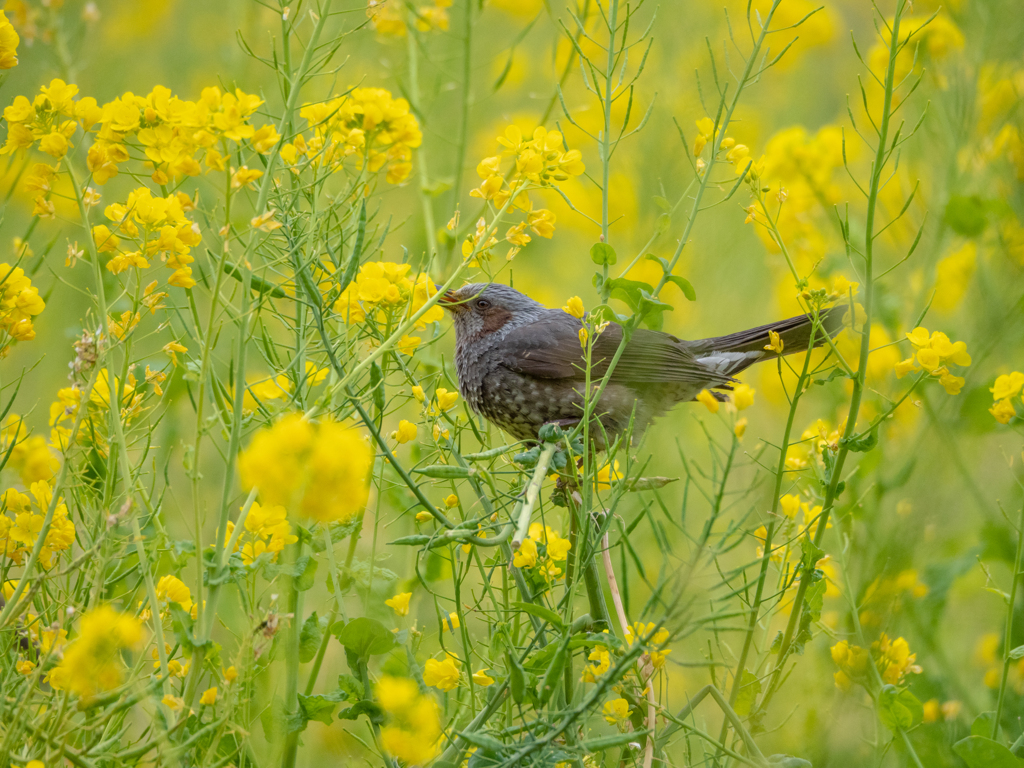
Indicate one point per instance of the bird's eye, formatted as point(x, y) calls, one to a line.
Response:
point(482, 303)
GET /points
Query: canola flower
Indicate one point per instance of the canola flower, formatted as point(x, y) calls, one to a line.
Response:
point(412, 729)
point(369, 125)
point(934, 353)
point(93, 661)
point(892, 659)
point(266, 530)
point(537, 163)
point(1004, 395)
point(21, 522)
point(9, 41)
point(391, 18)
point(155, 227)
point(315, 471)
point(20, 303)
point(383, 289)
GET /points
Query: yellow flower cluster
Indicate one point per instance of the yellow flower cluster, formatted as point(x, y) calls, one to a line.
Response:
point(413, 730)
point(1004, 391)
point(792, 508)
point(384, 288)
point(892, 658)
point(19, 303)
point(541, 549)
point(8, 43)
point(367, 124)
point(388, 19)
point(156, 226)
point(266, 530)
point(802, 170)
point(737, 154)
point(539, 162)
point(934, 353)
point(171, 131)
point(639, 630)
point(92, 662)
point(29, 456)
point(19, 530)
point(317, 471)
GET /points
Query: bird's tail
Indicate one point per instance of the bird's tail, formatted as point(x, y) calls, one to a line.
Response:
point(731, 354)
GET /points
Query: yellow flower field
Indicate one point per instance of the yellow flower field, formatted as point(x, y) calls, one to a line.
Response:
point(257, 507)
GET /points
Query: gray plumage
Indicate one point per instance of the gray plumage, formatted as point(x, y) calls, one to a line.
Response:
point(520, 364)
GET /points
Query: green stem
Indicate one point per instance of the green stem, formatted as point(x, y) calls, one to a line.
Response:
point(1008, 636)
point(865, 348)
point(291, 682)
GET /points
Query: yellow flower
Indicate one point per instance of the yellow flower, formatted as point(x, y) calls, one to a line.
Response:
point(742, 396)
point(1007, 385)
point(92, 663)
point(574, 306)
point(25, 667)
point(708, 400)
point(1003, 411)
point(413, 730)
point(8, 56)
point(919, 337)
point(904, 367)
point(173, 590)
point(452, 621)
point(173, 703)
point(424, 517)
point(318, 471)
point(209, 697)
point(952, 384)
point(740, 428)
point(244, 177)
point(399, 603)
point(617, 712)
point(608, 474)
point(584, 336)
point(481, 678)
point(408, 344)
point(775, 343)
point(445, 399)
point(526, 555)
point(443, 675)
point(405, 433)
point(417, 392)
point(451, 501)
point(230, 674)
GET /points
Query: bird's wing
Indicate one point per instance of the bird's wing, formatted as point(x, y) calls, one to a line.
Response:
point(550, 349)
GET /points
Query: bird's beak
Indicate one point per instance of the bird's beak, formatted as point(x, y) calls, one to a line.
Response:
point(450, 301)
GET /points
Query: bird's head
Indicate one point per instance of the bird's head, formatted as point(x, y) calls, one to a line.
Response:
point(481, 309)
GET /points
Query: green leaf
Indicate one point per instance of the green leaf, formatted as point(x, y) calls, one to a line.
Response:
point(966, 215)
point(982, 725)
point(351, 686)
point(319, 707)
point(898, 710)
point(684, 286)
point(366, 637)
point(305, 572)
point(545, 614)
point(602, 253)
point(980, 752)
point(862, 444)
point(1017, 653)
point(310, 637)
point(372, 711)
point(750, 687)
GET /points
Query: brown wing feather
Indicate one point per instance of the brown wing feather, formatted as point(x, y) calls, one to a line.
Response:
point(550, 349)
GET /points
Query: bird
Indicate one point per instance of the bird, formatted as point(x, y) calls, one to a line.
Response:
point(521, 364)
